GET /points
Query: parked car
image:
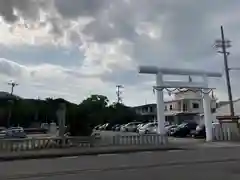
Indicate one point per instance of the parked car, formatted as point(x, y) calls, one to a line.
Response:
point(118, 127)
point(149, 128)
point(114, 127)
point(130, 127)
point(140, 126)
point(97, 127)
point(184, 129)
point(103, 127)
point(13, 132)
point(170, 128)
point(200, 131)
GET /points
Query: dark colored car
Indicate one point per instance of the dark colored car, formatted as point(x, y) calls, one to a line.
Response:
point(200, 132)
point(109, 127)
point(115, 127)
point(97, 127)
point(103, 127)
point(183, 130)
point(170, 128)
point(118, 127)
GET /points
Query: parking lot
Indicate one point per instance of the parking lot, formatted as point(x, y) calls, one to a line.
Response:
point(187, 140)
point(187, 132)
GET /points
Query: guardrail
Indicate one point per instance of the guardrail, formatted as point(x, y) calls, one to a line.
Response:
point(10, 145)
point(125, 140)
point(44, 143)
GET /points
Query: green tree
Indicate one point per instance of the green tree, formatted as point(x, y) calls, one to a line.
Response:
point(81, 118)
point(91, 112)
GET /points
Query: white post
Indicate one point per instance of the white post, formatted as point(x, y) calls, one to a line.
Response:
point(160, 105)
point(61, 115)
point(207, 112)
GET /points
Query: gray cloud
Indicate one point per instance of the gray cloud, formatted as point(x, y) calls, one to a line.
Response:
point(187, 29)
point(28, 9)
point(6, 10)
point(75, 8)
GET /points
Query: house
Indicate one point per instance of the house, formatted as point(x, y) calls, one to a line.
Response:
point(224, 110)
point(148, 111)
point(185, 106)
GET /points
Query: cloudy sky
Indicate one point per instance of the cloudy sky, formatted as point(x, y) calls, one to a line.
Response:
point(74, 48)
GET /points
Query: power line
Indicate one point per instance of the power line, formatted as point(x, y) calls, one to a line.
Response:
point(223, 44)
point(119, 93)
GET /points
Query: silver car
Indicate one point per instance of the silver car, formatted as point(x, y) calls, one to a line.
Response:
point(130, 127)
point(149, 128)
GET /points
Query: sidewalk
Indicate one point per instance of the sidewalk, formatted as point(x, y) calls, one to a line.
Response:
point(66, 152)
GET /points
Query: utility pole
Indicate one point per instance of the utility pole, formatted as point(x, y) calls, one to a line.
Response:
point(119, 92)
point(10, 103)
point(13, 85)
point(223, 45)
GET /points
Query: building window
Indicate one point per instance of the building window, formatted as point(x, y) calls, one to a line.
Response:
point(170, 107)
point(165, 108)
point(151, 109)
point(184, 107)
point(195, 105)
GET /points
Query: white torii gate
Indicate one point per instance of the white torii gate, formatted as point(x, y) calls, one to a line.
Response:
point(160, 85)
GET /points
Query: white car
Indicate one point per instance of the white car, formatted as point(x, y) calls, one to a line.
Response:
point(149, 128)
point(15, 132)
point(130, 127)
point(140, 126)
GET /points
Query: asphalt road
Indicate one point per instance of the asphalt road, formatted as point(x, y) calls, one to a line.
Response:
point(210, 163)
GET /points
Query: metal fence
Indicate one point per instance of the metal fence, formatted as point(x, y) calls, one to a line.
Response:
point(86, 142)
point(126, 140)
point(44, 143)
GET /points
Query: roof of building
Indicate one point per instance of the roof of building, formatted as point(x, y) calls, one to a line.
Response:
point(222, 103)
point(224, 109)
point(145, 105)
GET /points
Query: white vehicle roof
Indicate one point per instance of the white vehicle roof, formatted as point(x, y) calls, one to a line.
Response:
point(149, 124)
point(15, 128)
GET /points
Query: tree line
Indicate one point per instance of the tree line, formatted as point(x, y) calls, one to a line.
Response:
point(80, 118)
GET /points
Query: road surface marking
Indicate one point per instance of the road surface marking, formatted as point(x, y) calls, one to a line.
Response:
point(69, 157)
point(180, 150)
point(145, 152)
point(104, 155)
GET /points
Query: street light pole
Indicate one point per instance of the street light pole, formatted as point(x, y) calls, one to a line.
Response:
point(223, 44)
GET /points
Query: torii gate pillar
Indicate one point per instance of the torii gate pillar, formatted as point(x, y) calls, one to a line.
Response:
point(208, 118)
point(160, 104)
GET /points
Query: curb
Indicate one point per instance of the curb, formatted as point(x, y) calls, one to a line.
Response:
point(85, 153)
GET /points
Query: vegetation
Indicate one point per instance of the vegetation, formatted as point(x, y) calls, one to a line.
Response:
point(81, 118)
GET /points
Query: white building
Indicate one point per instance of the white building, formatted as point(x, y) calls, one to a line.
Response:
point(224, 110)
point(185, 106)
